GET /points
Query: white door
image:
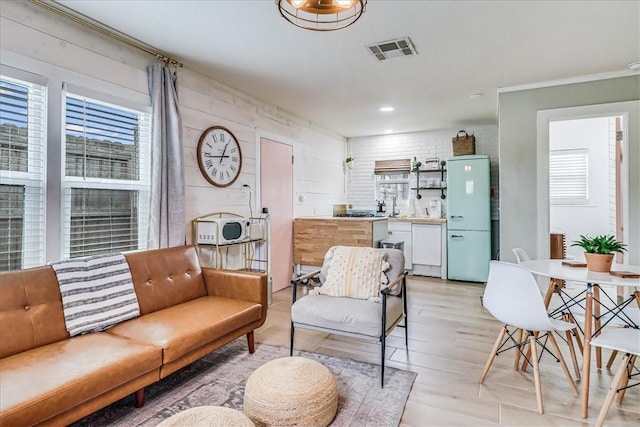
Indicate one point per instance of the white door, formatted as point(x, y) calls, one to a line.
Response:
point(276, 193)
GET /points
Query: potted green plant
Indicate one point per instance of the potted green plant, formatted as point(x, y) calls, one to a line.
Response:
point(349, 162)
point(599, 251)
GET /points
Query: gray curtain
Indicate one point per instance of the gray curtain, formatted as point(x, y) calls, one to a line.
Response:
point(166, 210)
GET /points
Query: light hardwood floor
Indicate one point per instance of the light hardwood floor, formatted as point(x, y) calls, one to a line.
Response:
point(450, 337)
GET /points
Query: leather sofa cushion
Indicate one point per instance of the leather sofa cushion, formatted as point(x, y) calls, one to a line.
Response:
point(180, 329)
point(30, 310)
point(40, 383)
point(166, 277)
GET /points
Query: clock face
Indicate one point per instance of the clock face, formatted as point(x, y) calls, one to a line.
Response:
point(219, 156)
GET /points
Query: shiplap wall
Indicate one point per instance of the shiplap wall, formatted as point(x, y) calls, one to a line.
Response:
point(423, 145)
point(37, 41)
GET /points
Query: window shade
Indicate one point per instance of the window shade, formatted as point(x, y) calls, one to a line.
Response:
point(392, 166)
point(22, 148)
point(106, 184)
point(568, 177)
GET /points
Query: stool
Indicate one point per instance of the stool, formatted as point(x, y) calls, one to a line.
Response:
point(211, 416)
point(291, 391)
point(392, 244)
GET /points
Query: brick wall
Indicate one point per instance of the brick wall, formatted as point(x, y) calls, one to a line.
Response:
point(423, 145)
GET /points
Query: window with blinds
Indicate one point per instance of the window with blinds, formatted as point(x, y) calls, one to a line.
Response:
point(569, 177)
point(106, 184)
point(22, 154)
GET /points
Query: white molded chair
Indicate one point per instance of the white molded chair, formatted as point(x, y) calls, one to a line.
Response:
point(627, 341)
point(358, 318)
point(512, 296)
point(521, 255)
point(557, 306)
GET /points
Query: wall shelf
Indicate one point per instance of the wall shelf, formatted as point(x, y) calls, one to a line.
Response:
point(441, 170)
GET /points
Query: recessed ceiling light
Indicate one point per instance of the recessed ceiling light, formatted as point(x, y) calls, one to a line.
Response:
point(386, 109)
point(634, 66)
point(388, 131)
point(476, 95)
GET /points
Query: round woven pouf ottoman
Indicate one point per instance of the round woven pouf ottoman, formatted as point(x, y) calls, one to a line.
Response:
point(210, 416)
point(291, 391)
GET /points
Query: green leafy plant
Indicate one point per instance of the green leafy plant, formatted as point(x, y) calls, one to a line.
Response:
point(604, 244)
point(349, 159)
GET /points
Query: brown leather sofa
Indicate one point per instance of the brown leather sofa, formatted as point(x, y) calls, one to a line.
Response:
point(50, 378)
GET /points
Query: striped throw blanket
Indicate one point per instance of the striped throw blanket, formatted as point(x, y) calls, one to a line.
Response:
point(97, 292)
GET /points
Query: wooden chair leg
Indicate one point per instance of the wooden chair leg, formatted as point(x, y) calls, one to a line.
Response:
point(625, 380)
point(492, 356)
point(525, 362)
point(576, 334)
point(614, 353)
point(563, 364)
point(613, 389)
point(572, 352)
point(536, 371)
point(597, 324)
point(516, 361)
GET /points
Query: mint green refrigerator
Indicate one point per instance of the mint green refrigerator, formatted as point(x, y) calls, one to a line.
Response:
point(468, 218)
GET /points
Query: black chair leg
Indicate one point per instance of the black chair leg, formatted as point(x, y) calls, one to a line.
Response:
point(406, 332)
point(383, 342)
point(291, 342)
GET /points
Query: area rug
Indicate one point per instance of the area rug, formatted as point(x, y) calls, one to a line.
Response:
point(219, 378)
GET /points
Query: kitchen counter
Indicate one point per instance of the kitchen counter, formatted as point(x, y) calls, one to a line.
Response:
point(345, 218)
point(313, 236)
point(419, 220)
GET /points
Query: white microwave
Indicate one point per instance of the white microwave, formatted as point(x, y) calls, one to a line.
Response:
point(223, 231)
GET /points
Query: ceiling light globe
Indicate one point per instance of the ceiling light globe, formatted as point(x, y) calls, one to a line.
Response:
point(321, 15)
point(345, 4)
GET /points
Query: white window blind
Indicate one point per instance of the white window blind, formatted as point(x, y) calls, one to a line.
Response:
point(22, 169)
point(106, 184)
point(569, 177)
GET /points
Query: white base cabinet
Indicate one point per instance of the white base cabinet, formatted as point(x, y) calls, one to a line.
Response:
point(425, 246)
point(429, 250)
point(402, 231)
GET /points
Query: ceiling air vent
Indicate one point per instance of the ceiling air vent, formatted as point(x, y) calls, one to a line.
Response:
point(393, 49)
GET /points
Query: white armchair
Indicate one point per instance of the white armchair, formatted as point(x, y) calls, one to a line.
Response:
point(340, 303)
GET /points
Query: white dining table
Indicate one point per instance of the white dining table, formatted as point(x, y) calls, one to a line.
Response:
point(553, 268)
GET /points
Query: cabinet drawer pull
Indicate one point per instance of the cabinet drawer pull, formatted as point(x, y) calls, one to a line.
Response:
point(457, 236)
point(456, 216)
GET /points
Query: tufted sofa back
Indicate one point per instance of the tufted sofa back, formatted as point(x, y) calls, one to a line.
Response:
point(166, 277)
point(30, 310)
point(31, 306)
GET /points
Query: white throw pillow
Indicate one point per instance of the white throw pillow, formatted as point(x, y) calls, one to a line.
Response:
point(355, 272)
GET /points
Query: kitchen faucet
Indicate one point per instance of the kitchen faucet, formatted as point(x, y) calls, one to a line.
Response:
point(393, 207)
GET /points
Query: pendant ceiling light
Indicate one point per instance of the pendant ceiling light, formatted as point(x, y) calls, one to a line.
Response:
point(321, 15)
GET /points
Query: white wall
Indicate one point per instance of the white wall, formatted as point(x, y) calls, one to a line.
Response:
point(40, 42)
point(522, 153)
point(594, 218)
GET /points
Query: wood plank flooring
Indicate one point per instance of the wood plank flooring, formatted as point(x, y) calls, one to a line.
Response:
point(450, 337)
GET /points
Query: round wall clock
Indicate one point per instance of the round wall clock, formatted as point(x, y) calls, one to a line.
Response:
point(219, 156)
